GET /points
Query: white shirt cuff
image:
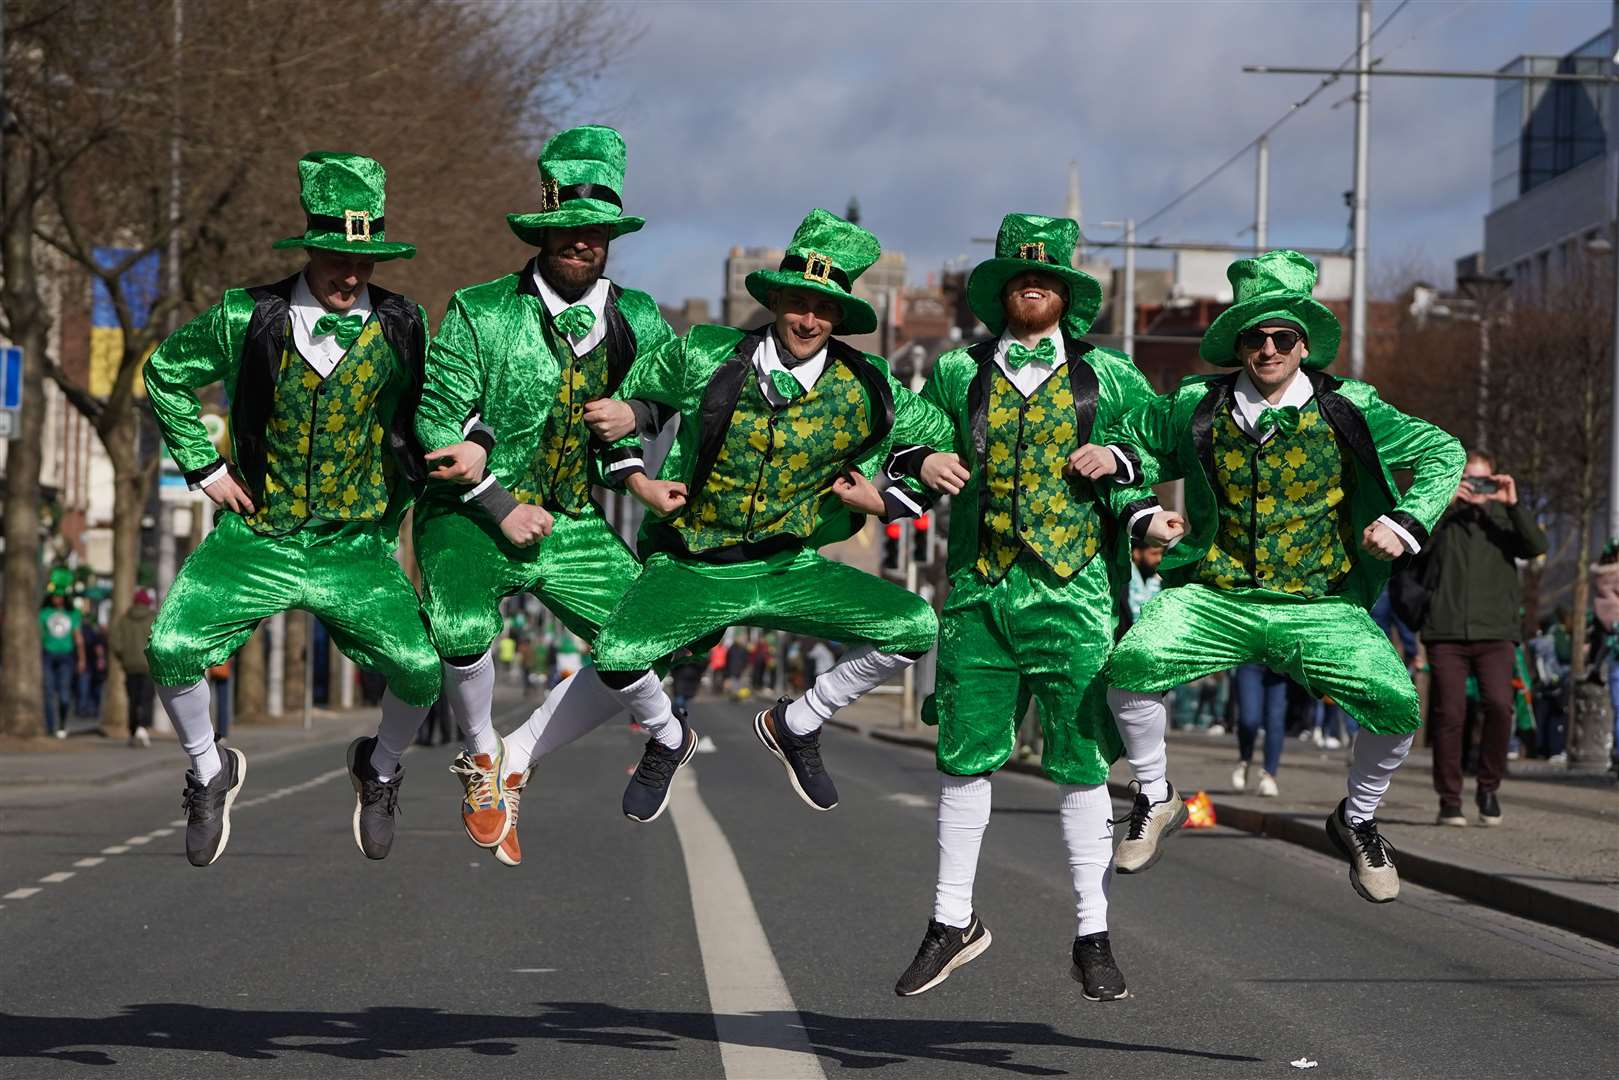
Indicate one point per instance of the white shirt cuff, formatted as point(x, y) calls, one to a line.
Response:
point(1127, 474)
point(483, 485)
point(211, 477)
point(627, 463)
point(1410, 542)
point(472, 421)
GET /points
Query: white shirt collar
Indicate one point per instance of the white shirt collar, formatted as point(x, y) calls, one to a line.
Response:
point(321, 353)
point(595, 299)
point(1032, 375)
point(1250, 403)
point(767, 359)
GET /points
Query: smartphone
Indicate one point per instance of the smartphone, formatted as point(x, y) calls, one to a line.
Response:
point(1481, 485)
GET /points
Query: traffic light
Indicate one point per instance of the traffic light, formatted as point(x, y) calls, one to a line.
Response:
point(891, 537)
point(921, 541)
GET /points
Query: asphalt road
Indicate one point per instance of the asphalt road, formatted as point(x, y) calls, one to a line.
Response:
point(742, 935)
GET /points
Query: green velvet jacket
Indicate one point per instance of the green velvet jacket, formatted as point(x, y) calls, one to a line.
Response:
point(1172, 434)
point(492, 361)
point(701, 377)
point(1105, 386)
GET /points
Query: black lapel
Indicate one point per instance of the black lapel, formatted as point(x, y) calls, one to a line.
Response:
point(718, 404)
point(403, 330)
point(1349, 425)
point(256, 379)
point(621, 344)
point(1216, 401)
point(1083, 384)
point(983, 354)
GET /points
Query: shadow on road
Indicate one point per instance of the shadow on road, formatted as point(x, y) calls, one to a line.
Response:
point(383, 1033)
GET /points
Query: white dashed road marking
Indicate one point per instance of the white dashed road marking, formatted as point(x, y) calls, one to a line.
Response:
point(56, 878)
point(19, 894)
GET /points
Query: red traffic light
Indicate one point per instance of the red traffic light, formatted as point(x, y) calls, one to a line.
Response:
point(922, 523)
point(893, 530)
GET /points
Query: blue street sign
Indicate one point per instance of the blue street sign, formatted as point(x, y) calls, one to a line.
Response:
point(10, 377)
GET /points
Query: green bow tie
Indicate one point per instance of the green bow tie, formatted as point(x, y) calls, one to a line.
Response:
point(786, 385)
point(1284, 420)
point(1018, 355)
point(576, 321)
point(345, 328)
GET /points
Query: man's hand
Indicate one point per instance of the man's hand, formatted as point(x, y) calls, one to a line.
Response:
point(231, 495)
point(462, 462)
point(1093, 462)
point(858, 493)
point(662, 497)
point(609, 420)
point(942, 472)
point(1381, 543)
point(1506, 491)
point(1165, 527)
point(526, 525)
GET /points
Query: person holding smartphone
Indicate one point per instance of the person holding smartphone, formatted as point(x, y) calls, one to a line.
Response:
point(1472, 626)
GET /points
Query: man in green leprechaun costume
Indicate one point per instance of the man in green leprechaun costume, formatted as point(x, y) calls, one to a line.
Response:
point(1294, 517)
point(535, 356)
point(1036, 557)
point(323, 371)
point(781, 429)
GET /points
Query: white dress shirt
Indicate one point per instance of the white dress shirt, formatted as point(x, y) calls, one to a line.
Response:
point(321, 352)
point(767, 359)
point(595, 299)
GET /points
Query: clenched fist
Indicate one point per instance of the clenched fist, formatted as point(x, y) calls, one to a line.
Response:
point(662, 497)
point(462, 462)
point(609, 420)
point(944, 472)
point(527, 524)
point(1092, 462)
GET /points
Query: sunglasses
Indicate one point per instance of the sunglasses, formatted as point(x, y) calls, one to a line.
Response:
point(1255, 339)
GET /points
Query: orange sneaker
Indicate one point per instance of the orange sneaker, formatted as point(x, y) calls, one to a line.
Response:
point(509, 851)
point(483, 807)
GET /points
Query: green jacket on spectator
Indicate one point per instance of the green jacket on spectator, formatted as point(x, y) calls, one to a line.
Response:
point(1476, 594)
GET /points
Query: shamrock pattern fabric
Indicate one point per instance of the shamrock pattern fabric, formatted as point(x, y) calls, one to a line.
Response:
point(1282, 525)
point(324, 443)
point(1032, 503)
point(776, 464)
point(560, 476)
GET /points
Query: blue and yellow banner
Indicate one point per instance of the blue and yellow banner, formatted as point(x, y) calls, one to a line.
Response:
point(140, 284)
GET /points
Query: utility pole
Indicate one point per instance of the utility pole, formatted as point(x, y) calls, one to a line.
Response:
point(1129, 329)
point(1363, 120)
point(1262, 196)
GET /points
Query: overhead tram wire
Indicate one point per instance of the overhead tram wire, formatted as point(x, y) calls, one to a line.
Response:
point(1285, 117)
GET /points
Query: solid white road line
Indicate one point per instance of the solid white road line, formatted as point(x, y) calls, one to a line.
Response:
point(759, 1030)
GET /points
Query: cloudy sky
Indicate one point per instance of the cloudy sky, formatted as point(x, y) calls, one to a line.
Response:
point(942, 116)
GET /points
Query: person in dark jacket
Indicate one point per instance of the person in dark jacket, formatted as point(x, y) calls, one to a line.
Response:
point(1472, 626)
point(130, 634)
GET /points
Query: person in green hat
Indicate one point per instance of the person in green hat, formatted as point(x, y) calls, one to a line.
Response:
point(61, 637)
point(1038, 559)
point(781, 429)
point(323, 371)
point(1293, 517)
point(535, 357)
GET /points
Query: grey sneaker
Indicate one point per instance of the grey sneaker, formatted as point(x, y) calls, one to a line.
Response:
point(375, 804)
point(207, 807)
point(1150, 824)
point(1371, 858)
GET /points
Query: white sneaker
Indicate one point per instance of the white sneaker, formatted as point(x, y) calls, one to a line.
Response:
point(1315, 737)
point(1216, 729)
point(1332, 743)
point(1557, 759)
point(143, 737)
point(61, 732)
point(1267, 786)
point(1239, 777)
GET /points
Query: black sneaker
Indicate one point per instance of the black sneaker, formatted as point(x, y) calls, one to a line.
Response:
point(207, 807)
point(646, 796)
point(375, 804)
point(800, 755)
point(944, 949)
point(1095, 970)
point(1489, 808)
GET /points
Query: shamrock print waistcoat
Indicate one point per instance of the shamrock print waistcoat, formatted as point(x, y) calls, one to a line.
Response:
point(1282, 525)
point(776, 464)
point(324, 443)
point(560, 476)
point(1032, 504)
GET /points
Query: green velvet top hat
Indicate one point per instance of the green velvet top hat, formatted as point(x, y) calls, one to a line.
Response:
point(826, 255)
point(343, 196)
point(1268, 287)
point(1032, 242)
point(581, 183)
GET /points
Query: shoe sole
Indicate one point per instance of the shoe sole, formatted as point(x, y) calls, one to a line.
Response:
point(230, 798)
point(354, 782)
point(505, 860)
point(1354, 871)
point(1078, 976)
point(1488, 822)
point(764, 738)
point(1158, 852)
point(965, 956)
point(664, 805)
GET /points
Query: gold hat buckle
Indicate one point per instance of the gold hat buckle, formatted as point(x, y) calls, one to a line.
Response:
point(1032, 252)
point(550, 195)
point(817, 267)
point(356, 226)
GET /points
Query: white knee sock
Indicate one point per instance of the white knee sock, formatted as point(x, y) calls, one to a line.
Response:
point(398, 728)
point(188, 707)
point(1142, 720)
point(469, 694)
point(1371, 769)
point(1089, 838)
point(651, 708)
point(963, 816)
point(861, 669)
point(579, 704)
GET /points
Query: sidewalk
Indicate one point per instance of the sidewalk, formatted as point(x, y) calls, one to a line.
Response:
point(1554, 858)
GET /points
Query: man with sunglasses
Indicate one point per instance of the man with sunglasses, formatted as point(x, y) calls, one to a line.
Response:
point(1292, 519)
